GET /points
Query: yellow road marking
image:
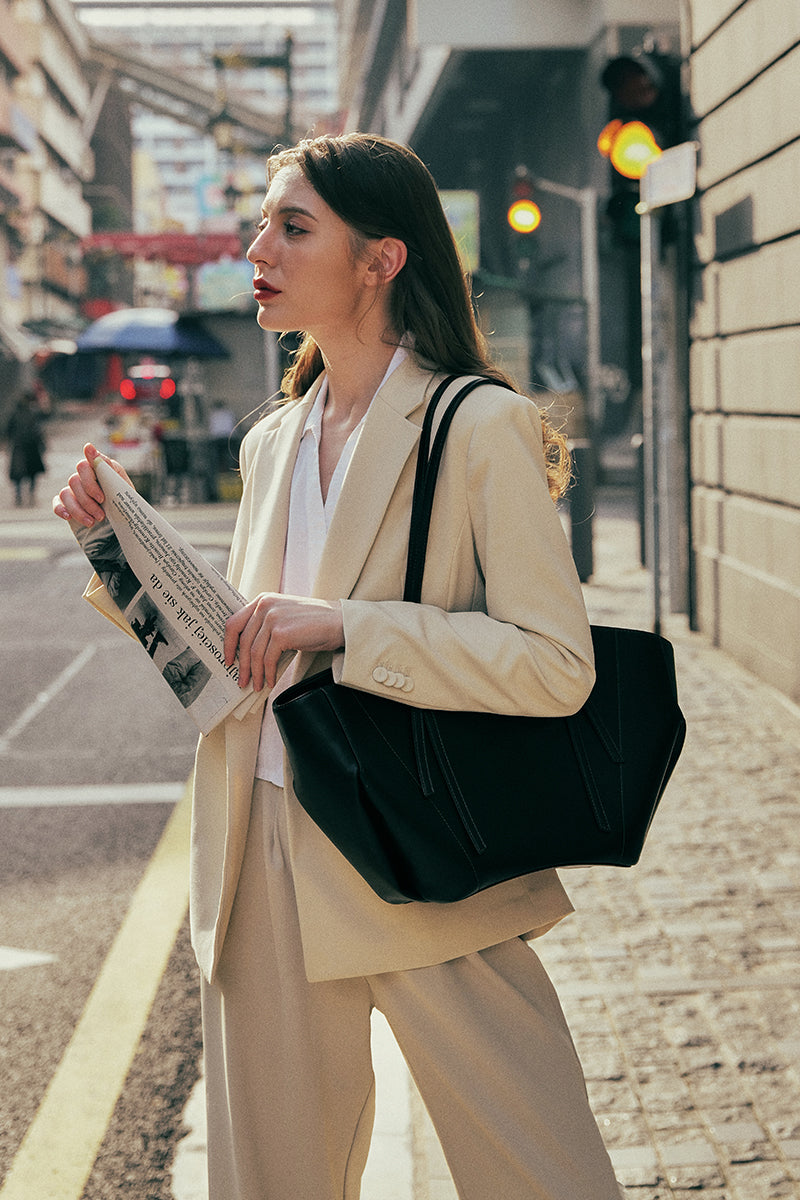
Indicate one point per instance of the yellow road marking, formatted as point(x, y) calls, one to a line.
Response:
point(23, 553)
point(58, 1152)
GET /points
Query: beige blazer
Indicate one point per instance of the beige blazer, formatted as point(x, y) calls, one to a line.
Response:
point(502, 627)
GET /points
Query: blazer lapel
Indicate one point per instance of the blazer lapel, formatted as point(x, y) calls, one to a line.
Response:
point(386, 441)
point(269, 514)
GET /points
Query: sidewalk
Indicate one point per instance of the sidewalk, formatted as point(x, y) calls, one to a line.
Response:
point(680, 978)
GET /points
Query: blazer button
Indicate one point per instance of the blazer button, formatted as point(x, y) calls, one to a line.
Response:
point(380, 674)
point(408, 684)
point(399, 681)
point(391, 679)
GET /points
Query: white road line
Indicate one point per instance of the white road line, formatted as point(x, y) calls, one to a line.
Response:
point(33, 530)
point(12, 959)
point(73, 795)
point(44, 698)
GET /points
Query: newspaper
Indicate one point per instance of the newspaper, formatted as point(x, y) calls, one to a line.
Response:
point(172, 599)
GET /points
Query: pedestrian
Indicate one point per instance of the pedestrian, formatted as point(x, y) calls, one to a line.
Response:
point(353, 248)
point(26, 448)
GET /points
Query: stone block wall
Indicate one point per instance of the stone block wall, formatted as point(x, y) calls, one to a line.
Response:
point(745, 332)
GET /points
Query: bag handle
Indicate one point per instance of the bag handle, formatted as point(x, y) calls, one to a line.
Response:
point(424, 732)
point(428, 461)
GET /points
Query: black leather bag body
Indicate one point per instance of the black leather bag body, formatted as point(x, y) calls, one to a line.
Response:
point(436, 806)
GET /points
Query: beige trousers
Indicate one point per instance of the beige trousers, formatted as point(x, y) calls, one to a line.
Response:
point(289, 1081)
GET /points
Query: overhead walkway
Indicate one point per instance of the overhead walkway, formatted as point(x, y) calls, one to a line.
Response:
point(176, 97)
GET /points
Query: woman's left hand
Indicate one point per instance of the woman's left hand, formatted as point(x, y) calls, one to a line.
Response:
point(272, 624)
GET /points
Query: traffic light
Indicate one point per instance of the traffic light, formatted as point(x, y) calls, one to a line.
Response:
point(524, 215)
point(630, 146)
point(645, 117)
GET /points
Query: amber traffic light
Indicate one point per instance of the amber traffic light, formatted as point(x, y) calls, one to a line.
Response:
point(645, 117)
point(630, 146)
point(524, 215)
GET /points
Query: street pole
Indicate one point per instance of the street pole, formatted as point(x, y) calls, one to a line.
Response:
point(649, 235)
point(586, 199)
point(590, 272)
point(581, 507)
point(278, 62)
point(668, 179)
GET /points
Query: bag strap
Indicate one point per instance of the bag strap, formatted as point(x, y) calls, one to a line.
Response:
point(428, 460)
point(424, 731)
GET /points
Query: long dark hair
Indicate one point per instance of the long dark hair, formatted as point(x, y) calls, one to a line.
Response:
point(382, 189)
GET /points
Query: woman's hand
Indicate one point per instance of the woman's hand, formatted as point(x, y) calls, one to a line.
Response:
point(83, 497)
point(272, 624)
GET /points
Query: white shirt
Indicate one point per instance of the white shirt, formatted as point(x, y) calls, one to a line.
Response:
point(309, 520)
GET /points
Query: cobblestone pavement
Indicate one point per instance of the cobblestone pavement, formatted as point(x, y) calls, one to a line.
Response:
point(681, 977)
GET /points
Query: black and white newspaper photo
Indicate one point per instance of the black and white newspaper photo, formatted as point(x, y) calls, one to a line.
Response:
point(172, 599)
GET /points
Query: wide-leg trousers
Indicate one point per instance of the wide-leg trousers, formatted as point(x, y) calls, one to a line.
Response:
point(289, 1080)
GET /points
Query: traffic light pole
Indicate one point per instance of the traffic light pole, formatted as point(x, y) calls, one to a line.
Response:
point(586, 198)
point(669, 179)
point(581, 506)
point(649, 238)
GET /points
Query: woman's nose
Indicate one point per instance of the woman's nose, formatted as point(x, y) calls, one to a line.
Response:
point(257, 250)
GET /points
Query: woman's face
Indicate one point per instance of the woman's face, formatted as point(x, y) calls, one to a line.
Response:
point(306, 274)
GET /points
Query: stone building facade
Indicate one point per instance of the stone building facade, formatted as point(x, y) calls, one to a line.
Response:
point(744, 61)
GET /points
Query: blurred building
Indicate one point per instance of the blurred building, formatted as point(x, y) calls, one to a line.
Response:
point(479, 89)
point(45, 162)
point(745, 332)
point(180, 39)
point(17, 136)
point(45, 282)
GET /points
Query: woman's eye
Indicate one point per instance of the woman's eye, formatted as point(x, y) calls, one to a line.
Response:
point(293, 230)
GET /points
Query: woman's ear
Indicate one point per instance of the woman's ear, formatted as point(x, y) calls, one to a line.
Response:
point(388, 259)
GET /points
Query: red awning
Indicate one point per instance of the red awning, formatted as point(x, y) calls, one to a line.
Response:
point(180, 249)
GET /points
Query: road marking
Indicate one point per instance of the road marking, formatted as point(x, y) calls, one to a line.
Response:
point(44, 698)
point(12, 959)
point(36, 530)
point(23, 553)
point(71, 796)
point(61, 1145)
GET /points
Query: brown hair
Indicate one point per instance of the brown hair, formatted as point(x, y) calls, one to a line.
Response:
point(382, 189)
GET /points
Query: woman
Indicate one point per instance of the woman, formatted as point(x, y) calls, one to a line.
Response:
point(353, 248)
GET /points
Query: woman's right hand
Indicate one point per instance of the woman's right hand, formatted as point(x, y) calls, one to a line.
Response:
point(82, 498)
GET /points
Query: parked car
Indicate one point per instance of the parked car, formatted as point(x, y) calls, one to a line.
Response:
point(136, 423)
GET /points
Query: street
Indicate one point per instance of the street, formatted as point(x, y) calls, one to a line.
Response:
point(93, 758)
point(679, 978)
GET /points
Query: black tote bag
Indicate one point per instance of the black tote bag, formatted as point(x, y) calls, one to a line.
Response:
point(436, 806)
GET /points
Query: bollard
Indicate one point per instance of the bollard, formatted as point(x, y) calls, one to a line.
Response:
point(581, 507)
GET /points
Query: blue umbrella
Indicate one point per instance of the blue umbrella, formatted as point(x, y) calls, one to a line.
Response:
point(156, 331)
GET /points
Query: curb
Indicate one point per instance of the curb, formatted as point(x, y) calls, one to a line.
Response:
point(389, 1174)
